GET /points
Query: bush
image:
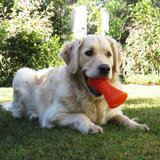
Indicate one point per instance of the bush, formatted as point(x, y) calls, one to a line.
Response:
point(60, 16)
point(27, 39)
point(142, 53)
point(119, 17)
point(30, 50)
point(5, 8)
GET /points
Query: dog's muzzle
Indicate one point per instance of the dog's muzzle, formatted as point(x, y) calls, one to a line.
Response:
point(103, 71)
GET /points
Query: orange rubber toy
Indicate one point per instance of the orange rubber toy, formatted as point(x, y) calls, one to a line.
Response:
point(113, 95)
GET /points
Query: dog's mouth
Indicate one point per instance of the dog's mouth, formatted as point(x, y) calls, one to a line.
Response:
point(92, 91)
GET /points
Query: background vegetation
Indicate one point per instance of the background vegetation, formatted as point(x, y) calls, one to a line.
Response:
point(142, 50)
point(137, 26)
point(32, 34)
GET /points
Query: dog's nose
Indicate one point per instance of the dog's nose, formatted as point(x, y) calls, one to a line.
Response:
point(104, 69)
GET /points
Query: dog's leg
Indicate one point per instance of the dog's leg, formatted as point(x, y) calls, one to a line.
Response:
point(122, 119)
point(77, 121)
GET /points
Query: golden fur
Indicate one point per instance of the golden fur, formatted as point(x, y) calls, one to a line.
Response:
point(60, 96)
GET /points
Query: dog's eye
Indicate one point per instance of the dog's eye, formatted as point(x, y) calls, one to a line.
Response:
point(89, 53)
point(108, 54)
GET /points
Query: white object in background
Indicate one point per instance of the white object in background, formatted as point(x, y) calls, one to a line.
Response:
point(78, 22)
point(105, 21)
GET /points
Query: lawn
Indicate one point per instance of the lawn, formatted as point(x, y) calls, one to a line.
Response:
point(21, 139)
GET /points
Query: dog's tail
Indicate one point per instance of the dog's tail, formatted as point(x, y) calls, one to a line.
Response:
point(7, 106)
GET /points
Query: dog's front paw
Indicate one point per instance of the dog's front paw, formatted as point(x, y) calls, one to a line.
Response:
point(90, 127)
point(96, 129)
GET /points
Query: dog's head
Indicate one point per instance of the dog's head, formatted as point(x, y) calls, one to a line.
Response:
point(94, 56)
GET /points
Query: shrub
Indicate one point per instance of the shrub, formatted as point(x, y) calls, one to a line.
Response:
point(5, 8)
point(27, 40)
point(119, 17)
point(30, 50)
point(60, 17)
point(142, 54)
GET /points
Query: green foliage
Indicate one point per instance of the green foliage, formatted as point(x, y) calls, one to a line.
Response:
point(142, 54)
point(137, 27)
point(118, 19)
point(5, 8)
point(31, 37)
point(28, 50)
point(60, 17)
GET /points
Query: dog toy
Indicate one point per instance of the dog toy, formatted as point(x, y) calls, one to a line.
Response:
point(113, 95)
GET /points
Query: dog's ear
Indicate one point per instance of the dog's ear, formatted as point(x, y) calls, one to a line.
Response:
point(70, 55)
point(117, 55)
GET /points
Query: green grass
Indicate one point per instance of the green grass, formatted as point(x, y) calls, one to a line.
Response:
point(21, 139)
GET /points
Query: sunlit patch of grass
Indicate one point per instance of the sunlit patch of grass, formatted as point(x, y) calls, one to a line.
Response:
point(149, 79)
point(6, 94)
point(142, 95)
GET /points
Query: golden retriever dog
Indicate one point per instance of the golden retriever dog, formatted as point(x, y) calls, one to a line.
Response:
point(61, 96)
